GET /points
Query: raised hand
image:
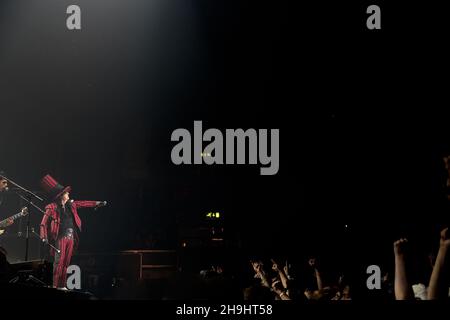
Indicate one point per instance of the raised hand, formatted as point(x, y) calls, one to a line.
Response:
point(437, 288)
point(257, 266)
point(402, 287)
point(400, 246)
point(286, 270)
point(447, 162)
point(275, 266)
point(445, 238)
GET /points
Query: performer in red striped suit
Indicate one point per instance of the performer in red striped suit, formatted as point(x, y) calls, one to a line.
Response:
point(65, 224)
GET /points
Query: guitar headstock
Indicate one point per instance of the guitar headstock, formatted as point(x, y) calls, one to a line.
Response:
point(24, 211)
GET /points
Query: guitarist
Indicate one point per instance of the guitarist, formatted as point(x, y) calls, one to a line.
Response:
point(3, 183)
point(3, 188)
point(62, 213)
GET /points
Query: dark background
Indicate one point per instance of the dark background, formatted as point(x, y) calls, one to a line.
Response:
point(362, 119)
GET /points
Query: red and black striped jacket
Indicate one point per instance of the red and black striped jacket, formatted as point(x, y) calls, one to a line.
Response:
point(52, 213)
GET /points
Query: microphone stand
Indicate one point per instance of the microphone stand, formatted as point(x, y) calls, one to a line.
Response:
point(28, 199)
point(48, 243)
point(20, 188)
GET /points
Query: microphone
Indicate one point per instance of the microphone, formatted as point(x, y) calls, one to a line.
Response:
point(101, 204)
point(70, 202)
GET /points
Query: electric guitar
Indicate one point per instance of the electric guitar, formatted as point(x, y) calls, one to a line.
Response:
point(8, 221)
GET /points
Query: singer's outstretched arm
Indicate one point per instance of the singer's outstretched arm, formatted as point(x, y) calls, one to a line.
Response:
point(86, 204)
